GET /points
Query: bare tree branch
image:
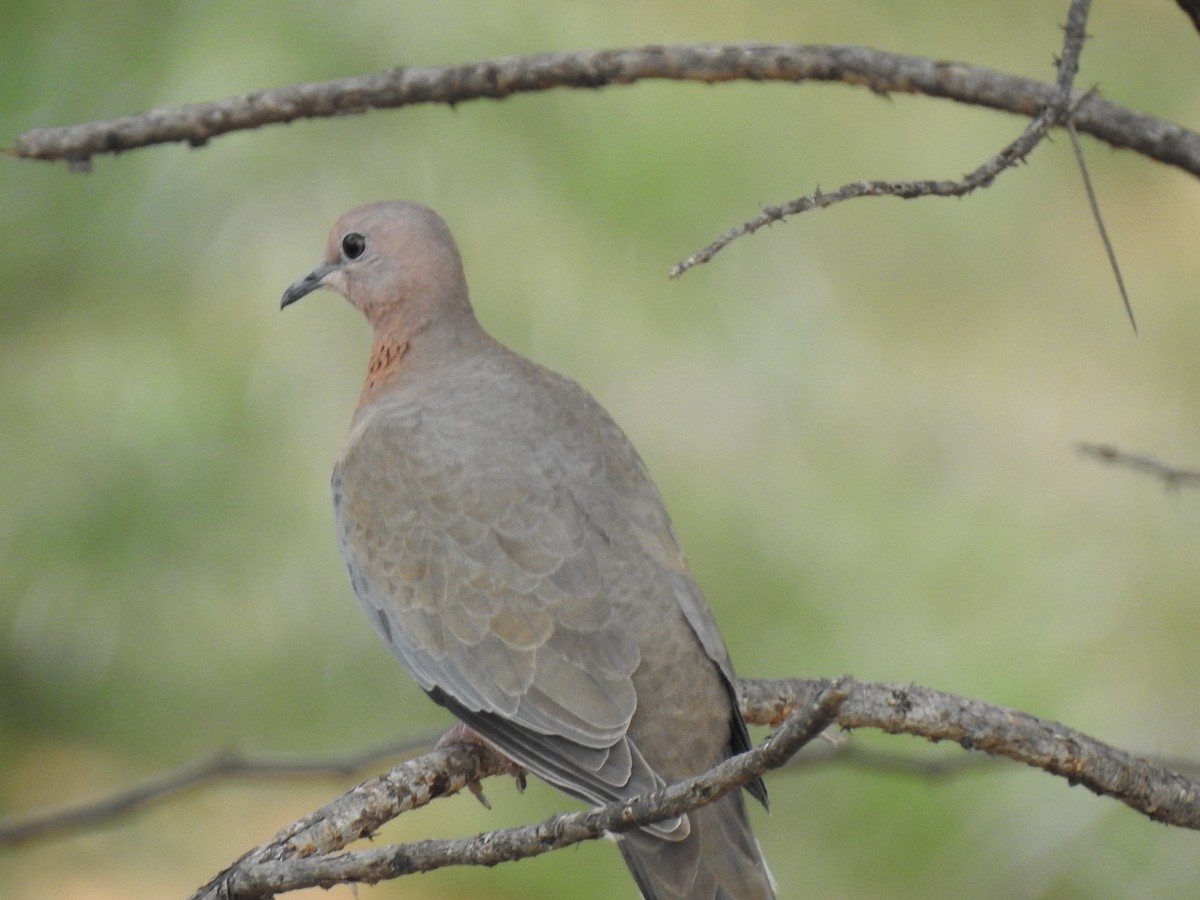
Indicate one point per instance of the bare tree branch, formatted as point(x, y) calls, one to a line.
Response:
point(881, 72)
point(60, 821)
point(267, 871)
point(1145, 786)
point(310, 852)
point(1056, 111)
point(1172, 477)
point(877, 70)
point(227, 764)
point(807, 721)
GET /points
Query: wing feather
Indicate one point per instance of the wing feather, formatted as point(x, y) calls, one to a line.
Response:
point(491, 593)
point(505, 563)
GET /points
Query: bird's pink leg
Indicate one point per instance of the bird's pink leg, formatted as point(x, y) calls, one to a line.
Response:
point(465, 734)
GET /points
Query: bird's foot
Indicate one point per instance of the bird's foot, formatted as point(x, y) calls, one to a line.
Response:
point(465, 734)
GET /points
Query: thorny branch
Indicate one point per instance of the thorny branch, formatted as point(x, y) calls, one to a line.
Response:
point(266, 877)
point(1172, 477)
point(310, 852)
point(881, 72)
point(876, 70)
point(227, 764)
point(1058, 108)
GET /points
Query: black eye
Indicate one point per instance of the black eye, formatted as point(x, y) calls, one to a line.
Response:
point(353, 245)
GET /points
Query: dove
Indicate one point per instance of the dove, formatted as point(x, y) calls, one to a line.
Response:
point(508, 546)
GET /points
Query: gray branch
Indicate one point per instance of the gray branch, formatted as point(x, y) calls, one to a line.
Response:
point(79, 815)
point(311, 852)
point(1057, 110)
point(1172, 477)
point(877, 70)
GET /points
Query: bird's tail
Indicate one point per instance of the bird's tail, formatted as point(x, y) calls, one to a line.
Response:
point(719, 859)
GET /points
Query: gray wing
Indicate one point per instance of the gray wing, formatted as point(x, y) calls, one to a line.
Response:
point(491, 582)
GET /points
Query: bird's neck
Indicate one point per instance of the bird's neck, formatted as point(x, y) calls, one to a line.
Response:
point(387, 355)
point(418, 340)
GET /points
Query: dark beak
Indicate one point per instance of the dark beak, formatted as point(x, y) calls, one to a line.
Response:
point(306, 285)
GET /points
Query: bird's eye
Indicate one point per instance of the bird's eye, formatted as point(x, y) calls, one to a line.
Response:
point(353, 245)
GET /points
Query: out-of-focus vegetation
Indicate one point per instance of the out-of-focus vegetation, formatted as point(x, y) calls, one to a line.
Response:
point(863, 420)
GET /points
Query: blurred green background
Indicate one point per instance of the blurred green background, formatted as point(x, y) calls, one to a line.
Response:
point(863, 420)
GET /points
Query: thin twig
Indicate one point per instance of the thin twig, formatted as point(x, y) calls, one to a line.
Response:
point(1053, 112)
point(72, 817)
point(1173, 478)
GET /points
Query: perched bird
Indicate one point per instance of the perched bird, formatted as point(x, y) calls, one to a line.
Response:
point(507, 544)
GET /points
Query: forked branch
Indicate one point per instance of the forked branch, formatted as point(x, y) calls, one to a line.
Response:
point(876, 70)
point(311, 852)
